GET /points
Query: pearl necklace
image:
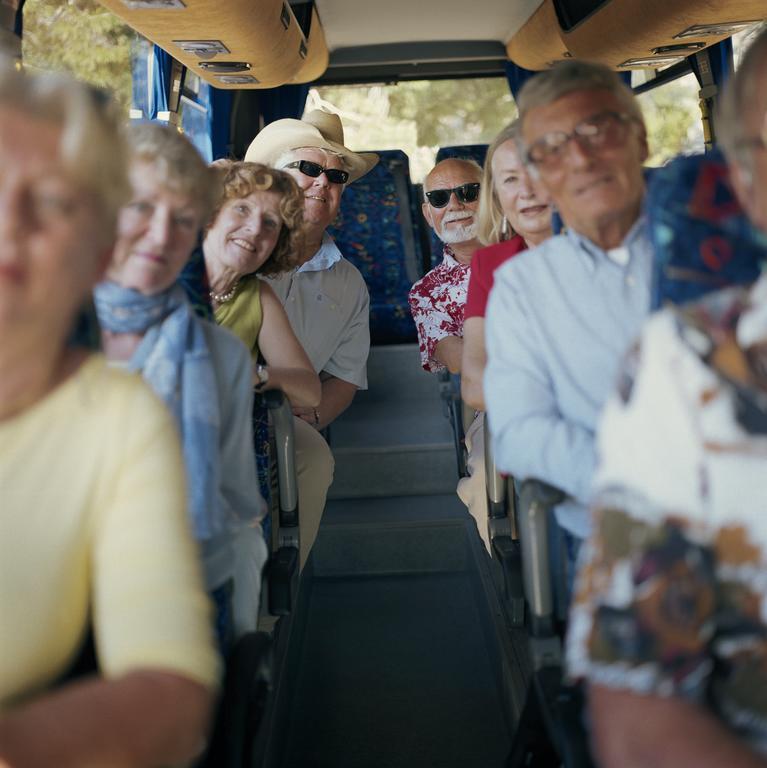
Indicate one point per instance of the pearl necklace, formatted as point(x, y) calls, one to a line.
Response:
point(222, 298)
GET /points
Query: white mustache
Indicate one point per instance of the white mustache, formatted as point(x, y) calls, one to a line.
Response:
point(456, 215)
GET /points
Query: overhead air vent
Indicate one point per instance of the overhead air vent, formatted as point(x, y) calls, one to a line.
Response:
point(153, 5)
point(655, 62)
point(285, 16)
point(225, 67)
point(203, 49)
point(238, 79)
point(724, 29)
point(681, 49)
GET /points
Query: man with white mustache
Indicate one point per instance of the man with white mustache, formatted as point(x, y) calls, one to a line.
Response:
point(438, 299)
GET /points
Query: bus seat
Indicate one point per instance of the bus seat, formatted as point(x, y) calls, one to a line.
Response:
point(282, 570)
point(458, 414)
point(549, 731)
point(503, 531)
point(247, 685)
point(375, 231)
point(474, 152)
point(701, 236)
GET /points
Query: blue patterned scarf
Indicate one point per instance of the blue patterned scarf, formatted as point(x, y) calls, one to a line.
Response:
point(173, 357)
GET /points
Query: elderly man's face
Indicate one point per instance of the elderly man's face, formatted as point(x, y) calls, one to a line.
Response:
point(53, 245)
point(591, 185)
point(751, 182)
point(457, 221)
point(322, 197)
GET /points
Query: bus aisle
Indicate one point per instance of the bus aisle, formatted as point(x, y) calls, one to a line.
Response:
point(399, 655)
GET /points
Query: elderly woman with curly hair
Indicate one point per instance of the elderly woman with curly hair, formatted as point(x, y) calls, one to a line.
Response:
point(257, 231)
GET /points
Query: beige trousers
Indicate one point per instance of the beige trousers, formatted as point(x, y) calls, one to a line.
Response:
point(314, 468)
point(471, 490)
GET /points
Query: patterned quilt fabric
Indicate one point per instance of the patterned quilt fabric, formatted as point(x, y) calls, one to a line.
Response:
point(672, 589)
point(438, 301)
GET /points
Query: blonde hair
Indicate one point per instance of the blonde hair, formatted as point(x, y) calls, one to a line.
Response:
point(178, 162)
point(92, 142)
point(491, 216)
point(240, 179)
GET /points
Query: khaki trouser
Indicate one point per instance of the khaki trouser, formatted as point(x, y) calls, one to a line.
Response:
point(471, 490)
point(314, 468)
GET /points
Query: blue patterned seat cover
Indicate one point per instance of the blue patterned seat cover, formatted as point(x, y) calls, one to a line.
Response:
point(374, 230)
point(701, 236)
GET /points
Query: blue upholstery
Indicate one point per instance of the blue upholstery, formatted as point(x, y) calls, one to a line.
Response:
point(701, 237)
point(374, 230)
point(475, 152)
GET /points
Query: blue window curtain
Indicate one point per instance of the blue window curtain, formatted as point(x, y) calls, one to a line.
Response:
point(285, 101)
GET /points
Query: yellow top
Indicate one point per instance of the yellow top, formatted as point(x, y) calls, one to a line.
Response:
point(243, 315)
point(93, 530)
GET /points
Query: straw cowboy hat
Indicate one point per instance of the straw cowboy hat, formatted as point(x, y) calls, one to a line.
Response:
point(318, 129)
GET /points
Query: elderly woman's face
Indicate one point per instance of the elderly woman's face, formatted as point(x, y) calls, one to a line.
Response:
point(322, 198)
point(53, 245)
point(156, 233)
point(525, 206)
point(245, 232)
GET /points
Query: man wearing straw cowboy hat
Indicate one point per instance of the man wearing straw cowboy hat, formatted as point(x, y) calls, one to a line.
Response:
point(325, 297)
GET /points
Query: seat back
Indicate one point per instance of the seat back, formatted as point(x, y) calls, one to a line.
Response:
point(375, 231)
point(702, 239)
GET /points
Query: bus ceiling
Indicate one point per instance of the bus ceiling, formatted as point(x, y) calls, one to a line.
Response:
point(266, 43)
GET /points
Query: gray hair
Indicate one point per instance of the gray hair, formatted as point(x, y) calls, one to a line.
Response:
point(92, 143)
point(179, 164)
point(490, 216)
point(573, 75)
point(741, 94)
point(473, 164)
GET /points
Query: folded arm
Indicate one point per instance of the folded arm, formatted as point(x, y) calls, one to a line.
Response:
point(145, 718)
point(289, 366)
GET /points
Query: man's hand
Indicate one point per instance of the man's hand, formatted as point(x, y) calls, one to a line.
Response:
point(309, 415)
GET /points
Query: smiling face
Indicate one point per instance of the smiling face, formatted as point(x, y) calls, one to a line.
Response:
point(457, 221)
point(54, 244)
point(593, 188)
point(525, 206)
point(156, 232)
point(322, 198)
point(244, 233)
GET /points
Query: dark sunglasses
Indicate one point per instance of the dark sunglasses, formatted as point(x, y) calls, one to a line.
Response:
point(308, 168)
point(466, 193)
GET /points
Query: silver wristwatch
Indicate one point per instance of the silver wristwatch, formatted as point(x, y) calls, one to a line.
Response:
point(262, 375)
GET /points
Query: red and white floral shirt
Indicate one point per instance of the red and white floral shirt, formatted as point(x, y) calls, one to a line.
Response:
point(437, 302)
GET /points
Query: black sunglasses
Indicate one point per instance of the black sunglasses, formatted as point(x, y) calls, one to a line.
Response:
point(466, 193)
point(308, 168)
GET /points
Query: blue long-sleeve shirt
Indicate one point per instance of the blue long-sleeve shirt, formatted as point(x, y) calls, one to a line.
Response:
point(559, 320)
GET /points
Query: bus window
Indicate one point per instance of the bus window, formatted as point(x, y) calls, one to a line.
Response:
point(421, 116)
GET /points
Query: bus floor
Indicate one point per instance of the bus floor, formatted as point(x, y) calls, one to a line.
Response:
point(399, 653)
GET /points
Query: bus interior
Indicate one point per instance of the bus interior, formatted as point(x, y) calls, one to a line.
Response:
point(404, 645)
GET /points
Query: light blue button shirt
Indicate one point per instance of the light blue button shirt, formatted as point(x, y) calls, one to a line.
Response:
point(559, 320)
point(325, 258)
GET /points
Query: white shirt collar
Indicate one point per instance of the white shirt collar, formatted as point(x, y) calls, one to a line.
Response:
point(325, 258)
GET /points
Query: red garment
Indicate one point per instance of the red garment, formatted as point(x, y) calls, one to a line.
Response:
point(483, 266)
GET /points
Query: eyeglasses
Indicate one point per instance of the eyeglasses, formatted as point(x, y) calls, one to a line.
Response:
point(466, 193)
point(308, 168)
point(602, 131)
